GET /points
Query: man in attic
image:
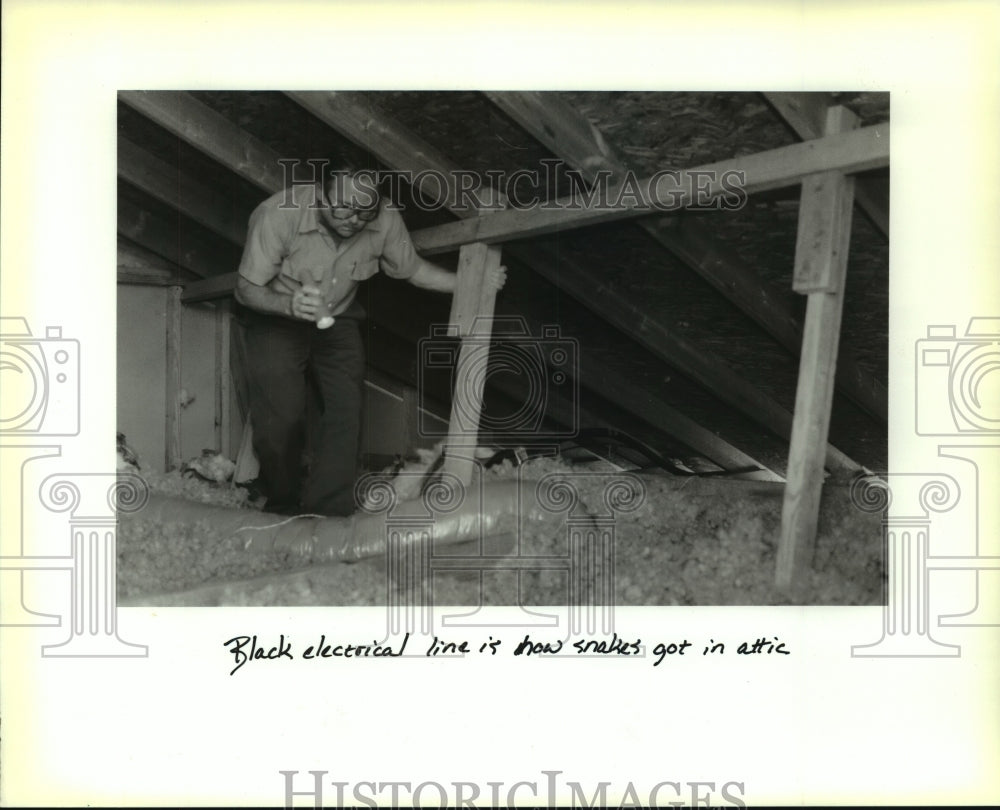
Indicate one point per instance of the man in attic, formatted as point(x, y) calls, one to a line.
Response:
point(307, 248)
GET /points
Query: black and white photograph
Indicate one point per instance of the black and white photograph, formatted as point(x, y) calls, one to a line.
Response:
point(514, 405)
point(637, 324)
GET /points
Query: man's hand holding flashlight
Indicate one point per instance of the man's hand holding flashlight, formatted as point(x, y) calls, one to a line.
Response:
point(307, 305)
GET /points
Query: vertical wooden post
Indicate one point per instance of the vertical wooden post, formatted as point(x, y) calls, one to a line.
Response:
point(472, 314)
point(172, 458)
point(223, 380)
point(824, 235)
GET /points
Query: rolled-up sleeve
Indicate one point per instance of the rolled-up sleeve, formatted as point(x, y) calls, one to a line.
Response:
point(267, 243)
point(398, 258)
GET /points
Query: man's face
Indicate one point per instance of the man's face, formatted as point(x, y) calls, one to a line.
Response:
point(350, 206)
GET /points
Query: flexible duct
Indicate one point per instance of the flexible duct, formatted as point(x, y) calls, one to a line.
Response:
point(497, 509)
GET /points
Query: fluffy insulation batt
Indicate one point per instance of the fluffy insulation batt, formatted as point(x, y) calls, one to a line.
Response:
point(691, 541)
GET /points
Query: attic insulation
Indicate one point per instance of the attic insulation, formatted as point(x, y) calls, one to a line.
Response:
point(690, 541)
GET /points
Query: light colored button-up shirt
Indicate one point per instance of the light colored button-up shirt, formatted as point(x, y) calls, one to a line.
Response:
point(287, 247)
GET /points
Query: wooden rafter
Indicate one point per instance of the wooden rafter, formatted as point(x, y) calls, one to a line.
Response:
point(176, 246)
point(214, 134)
point(219, 138)
point(164, 183)
point(356, 119)
point(805, 113)
point(182, 193)
point(210, 289)
point(574, 140)
point(139, 266)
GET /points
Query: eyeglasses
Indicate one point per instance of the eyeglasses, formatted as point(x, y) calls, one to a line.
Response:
point(366, 214)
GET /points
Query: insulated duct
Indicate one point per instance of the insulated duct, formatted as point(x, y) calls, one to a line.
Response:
point(497, 509)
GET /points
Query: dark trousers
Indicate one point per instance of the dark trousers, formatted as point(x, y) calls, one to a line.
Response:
point(285, 361)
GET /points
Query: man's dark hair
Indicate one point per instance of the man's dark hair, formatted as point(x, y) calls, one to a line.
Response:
point(367, 180)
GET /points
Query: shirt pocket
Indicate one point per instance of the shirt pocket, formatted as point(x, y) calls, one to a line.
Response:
point(364, 269)
point(306, 262)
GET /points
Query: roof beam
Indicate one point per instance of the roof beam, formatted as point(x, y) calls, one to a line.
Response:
point(358, 121)
point(212, 133)
point(848, 152)
point(352, 116)
point(659, 414)
point(574, 140)
point(588, 287)
point(209, 289)
point(805, 113)
point(170, 186)
point(176, 245)
point(139, 266)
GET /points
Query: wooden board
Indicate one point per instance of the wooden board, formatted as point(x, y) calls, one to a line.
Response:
point(136, 265)
point(820, 268)
point(806, 114)
point(471, 316)
point(216, 136)
point(349, 114)
point(210, 289)
point(168, 185)
point(177, 245)
point(855, 151)
point(824, 233)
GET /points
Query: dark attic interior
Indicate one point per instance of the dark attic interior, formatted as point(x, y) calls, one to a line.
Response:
point(703, 359)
